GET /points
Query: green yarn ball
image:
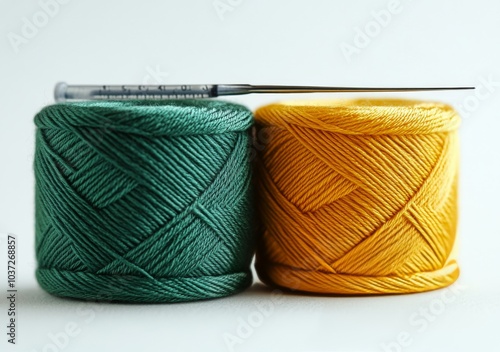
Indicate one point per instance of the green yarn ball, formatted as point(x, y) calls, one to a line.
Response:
point(144, 201)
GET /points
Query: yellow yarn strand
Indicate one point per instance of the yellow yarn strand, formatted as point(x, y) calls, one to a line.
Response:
point(358, 196)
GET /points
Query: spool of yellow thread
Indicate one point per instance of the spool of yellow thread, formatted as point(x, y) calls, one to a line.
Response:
point(357, 196)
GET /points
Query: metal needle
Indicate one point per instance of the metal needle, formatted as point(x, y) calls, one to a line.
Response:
point(65, 92)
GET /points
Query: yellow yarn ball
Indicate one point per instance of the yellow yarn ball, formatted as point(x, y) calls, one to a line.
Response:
point(358, 196)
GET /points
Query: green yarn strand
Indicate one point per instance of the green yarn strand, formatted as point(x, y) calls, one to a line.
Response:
point(143, 201)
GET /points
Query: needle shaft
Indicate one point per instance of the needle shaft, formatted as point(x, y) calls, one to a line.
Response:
point(65, 92)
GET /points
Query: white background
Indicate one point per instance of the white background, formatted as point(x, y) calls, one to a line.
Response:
point(275, 42)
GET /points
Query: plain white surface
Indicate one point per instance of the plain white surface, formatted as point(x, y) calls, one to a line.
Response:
point(280, 42)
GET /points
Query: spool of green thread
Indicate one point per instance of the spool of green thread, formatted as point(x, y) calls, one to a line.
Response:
point(143, 201)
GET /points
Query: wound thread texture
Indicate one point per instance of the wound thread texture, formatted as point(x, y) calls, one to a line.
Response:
point(357, 196)
point(143, 201)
